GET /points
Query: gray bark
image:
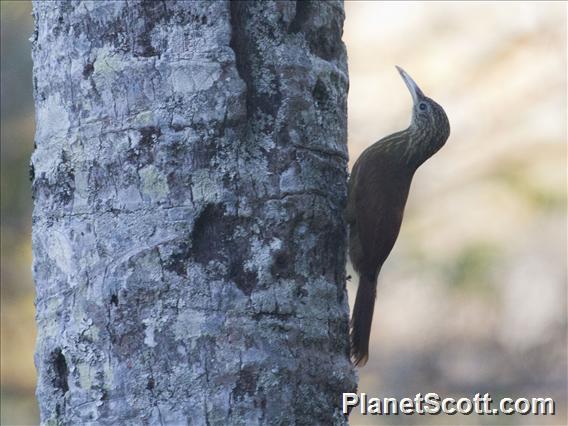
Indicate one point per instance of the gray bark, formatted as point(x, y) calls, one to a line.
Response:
point(188, 239)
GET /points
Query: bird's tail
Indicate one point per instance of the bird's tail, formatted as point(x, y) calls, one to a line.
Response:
point(362, 319)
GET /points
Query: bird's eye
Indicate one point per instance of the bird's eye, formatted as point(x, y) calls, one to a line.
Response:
point(422, 106)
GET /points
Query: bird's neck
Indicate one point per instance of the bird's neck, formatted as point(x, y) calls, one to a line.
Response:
point(420, 143)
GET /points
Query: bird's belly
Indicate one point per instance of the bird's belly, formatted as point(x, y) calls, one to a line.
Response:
point(387, 230)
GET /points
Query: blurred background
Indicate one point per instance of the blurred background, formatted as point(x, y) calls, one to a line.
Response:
point(473, 297)
point(17, 326)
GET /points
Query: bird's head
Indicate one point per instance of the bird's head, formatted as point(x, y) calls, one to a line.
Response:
point(429, 124)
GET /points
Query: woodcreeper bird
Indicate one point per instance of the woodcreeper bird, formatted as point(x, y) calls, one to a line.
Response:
point(378, 189)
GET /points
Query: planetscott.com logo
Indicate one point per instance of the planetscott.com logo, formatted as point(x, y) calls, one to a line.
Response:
point(431, 403)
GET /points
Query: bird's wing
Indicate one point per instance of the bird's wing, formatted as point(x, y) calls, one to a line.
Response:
point(380, 192)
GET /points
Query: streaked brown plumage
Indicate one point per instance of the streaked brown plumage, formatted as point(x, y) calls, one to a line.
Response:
point(378, 189)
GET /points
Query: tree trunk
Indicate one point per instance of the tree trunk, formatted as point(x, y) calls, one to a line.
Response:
point(188, 238)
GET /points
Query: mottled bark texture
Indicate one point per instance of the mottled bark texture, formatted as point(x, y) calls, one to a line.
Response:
point(188, 238)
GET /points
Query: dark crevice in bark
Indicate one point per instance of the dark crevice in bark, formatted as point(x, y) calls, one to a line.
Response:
point(114, 300)
point(88, 70)
point(142, 153)
point(323, 42)
point(31, 172)
point(246, 383)
point(177, 261)
point(251, 61)
point(151, 12)
point(282, 266)
point(207, 232)
point(302, 14)
point(215, 238)
point(151, 383)
point(243, 279)
point(240, 44)
point(149, 135)
point(321, 95)
point(60, 371)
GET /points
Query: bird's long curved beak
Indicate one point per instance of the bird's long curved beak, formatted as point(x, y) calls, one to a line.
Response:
point(411, 84)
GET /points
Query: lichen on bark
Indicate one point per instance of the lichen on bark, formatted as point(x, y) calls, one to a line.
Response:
point(188, 238)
